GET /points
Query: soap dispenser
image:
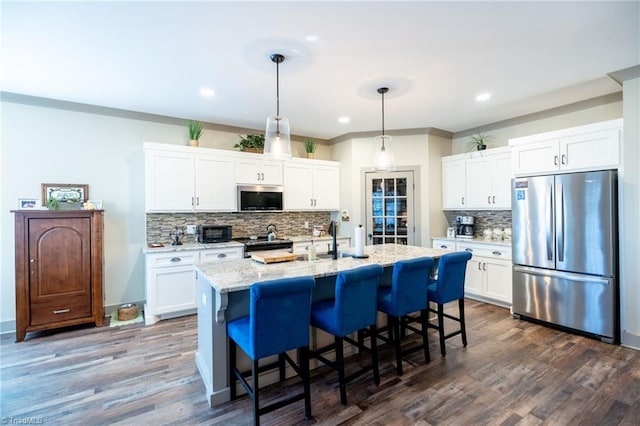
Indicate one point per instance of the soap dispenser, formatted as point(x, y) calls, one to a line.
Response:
point(311, 252)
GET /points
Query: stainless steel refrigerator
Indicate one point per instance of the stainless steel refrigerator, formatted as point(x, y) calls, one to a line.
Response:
point(565, 251)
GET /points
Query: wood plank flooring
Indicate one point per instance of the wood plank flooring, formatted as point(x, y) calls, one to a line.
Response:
point(512, 373)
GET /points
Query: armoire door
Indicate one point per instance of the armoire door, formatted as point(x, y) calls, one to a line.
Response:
point(59, 269)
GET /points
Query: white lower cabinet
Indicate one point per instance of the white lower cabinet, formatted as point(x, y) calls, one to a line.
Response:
point(171, 280)
point(488, 277)
point(488, 272)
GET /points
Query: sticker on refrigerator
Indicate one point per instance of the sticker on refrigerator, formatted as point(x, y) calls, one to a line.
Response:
point(522, 184)
point(520, 194)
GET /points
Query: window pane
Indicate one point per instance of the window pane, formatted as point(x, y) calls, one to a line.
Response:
point(377, 241)
point(390, 226)
point(401, 204)
point(389, 188)
point(402, 241)
point(376, 187)
point(389, 240)
point(376, 225)
point(401, 187)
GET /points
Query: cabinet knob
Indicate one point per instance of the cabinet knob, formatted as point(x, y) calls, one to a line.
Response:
point(488, 199)
point(176, 259)
point(61, 311)
point(222, 255)
point(564, 159)
point(555, 160)
point(494, 199)
point(444, 247)
point(470, 250)
point(497, 253)
point(462, 200)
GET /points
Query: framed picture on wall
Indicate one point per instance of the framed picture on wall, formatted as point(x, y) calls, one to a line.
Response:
point(64, 194)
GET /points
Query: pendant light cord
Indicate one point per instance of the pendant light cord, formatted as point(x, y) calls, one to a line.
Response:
point(277, 88)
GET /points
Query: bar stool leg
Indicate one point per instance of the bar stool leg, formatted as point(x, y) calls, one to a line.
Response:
point(340, 365)
point(374, 353)
point(441, 328)
point(303, 363)
point(232, 369)
point(424, 321)
point(394, 331)
point(463, 329)
point(254, 393)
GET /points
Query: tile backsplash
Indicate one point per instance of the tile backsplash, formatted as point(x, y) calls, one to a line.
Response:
point(483, 219)
point(160, 225)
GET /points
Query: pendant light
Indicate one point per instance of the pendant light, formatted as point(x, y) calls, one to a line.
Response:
point(277, 140)
point(383, 152)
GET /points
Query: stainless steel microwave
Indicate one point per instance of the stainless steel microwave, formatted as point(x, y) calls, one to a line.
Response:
point(259, 198)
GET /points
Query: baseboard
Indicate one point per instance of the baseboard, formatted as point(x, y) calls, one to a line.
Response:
point(7, 327)
point(10, 325)
point(630, 340)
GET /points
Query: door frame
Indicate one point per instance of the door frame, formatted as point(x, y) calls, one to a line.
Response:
point(417, 237)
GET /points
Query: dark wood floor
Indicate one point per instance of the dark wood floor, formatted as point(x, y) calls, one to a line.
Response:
point(512, 373)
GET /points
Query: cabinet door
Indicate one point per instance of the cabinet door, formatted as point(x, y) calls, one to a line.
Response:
point(171, 289)
point(501, 193)
point(453, 184)
point(170, 178)
point(326, 187)
point(60, 269)
point(298, 184)
point(248, 171)
point(536, 157)
point(590, 150)
point(498, 277)
point(479, 183)
point(272, 173)
point(215, 188)
point(474, 277)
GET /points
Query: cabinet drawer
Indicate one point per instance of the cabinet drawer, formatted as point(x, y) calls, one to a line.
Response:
point(172, 259)
point(60, 309)
point(443, 245)
point(496, 251)
point(218, 255)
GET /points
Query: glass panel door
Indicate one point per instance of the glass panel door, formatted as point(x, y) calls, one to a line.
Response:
point(389, 210)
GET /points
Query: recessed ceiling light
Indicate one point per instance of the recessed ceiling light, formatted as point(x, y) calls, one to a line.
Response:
point(344, 120)
point(205, 91)
point(312, 38)
point(483, 97)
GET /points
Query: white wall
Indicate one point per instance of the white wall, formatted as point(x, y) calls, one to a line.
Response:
point(630, 227)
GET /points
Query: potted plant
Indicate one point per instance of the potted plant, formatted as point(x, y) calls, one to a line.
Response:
point(479, 141)
point(251, 143)
point(310, 146)
point(195, 131)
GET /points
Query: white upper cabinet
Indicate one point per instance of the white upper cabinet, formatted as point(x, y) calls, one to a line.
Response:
point(255, 171)
point(591, 147)
point(454, 182)
point(477, 180)
point(215, 190)
point(311, 185)
point(489, 180)
point(184, 179)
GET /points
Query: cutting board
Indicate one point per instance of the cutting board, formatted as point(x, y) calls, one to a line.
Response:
point(273, 256)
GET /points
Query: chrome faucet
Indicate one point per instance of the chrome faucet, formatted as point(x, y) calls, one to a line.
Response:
point(332, 230)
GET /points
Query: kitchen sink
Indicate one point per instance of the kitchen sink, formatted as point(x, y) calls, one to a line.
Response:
point(324, 256)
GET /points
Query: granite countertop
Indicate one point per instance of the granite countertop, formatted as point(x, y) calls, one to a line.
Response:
point(235, 275)
point(305, 238)
point(474, 240)
point(191, 246)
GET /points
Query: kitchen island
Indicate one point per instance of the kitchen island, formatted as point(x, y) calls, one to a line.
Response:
point(223, 295)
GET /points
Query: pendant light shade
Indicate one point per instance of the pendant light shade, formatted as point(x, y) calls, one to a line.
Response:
point(277, 139)
point(382, 143)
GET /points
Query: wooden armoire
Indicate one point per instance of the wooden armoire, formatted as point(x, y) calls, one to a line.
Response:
point(59, 269)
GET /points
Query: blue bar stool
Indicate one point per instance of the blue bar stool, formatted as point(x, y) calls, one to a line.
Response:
point(447, 287)
point(278, 321)
point(407, 294)
point(352, 309)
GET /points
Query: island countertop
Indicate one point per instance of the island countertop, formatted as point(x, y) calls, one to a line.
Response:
point(236, 275)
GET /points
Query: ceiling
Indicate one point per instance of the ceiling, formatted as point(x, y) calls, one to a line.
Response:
point(435, 57)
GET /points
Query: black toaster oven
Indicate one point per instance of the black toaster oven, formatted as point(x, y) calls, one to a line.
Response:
point(214, 233)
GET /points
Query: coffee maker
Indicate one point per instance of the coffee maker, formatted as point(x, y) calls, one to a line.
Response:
point(464, 227)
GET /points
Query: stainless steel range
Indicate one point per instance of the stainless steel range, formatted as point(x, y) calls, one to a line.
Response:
point(252, 244)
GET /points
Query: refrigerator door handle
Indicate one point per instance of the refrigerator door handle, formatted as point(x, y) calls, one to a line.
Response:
point(549, 215)
point(560, 222)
